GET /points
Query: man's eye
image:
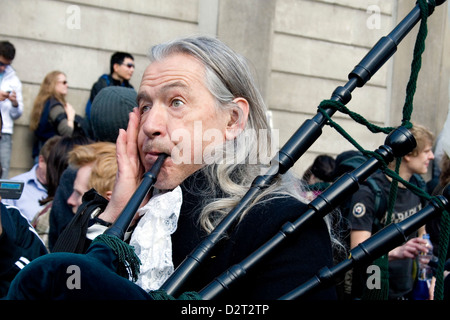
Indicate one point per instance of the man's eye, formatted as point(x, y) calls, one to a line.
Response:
point(145, 109)
point(177, 103)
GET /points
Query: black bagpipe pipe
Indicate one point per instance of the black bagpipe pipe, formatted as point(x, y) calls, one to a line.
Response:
point(397, 144)
point(299, 143)
point(377, 245)
point(125, 218)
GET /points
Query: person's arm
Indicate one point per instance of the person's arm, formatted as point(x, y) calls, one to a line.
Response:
point(358, 236)
point(16, 99)
point(3, 95)
point(64, 125)
point(70, 113)
point(408, 250)
point(421, 231)
point(13, 98)
point(361, 216)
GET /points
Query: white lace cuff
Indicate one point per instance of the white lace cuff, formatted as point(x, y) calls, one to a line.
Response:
point(151, 238)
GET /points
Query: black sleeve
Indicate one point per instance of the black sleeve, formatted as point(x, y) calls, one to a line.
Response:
point(362, 215)
point(293, 262)
point(19, 244)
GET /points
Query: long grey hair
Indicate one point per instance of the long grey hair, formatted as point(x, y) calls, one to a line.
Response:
point(228, 76)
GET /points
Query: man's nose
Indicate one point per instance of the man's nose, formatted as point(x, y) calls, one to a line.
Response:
point(155, 123)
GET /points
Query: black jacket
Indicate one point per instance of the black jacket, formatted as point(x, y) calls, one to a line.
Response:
point(293, 263)
point(19, 244)
point(104, 81)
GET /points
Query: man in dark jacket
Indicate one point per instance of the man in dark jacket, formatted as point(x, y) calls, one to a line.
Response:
point(121, 70)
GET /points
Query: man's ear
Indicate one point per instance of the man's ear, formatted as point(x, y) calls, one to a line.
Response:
point(238, 118)
point(115, 67)
point(108, 195)
point(407, 158)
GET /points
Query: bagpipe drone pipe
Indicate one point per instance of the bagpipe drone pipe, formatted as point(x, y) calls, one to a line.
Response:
point(122, 223)
point(398, 143)
point(293, 149)
point(380, 243)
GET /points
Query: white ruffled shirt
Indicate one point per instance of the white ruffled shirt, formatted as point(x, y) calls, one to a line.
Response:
point(151, 238)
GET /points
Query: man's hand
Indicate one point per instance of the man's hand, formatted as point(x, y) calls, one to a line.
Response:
point(130, 169)
point(410, 249)
point(4, 95)
point(13, 98)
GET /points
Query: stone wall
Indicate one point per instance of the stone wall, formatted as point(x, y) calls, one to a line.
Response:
point(300, 50)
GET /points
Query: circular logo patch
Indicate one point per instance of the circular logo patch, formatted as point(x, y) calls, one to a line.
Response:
point(359, 209)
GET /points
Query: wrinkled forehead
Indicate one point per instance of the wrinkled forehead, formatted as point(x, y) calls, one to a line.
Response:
point(173, 63)
point(180, 70)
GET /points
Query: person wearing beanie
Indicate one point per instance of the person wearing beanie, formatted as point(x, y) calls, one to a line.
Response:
point(109, 112)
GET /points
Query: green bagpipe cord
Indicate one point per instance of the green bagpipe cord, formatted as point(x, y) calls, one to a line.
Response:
point(129, 266)
point(129, 263)
point(382, 262)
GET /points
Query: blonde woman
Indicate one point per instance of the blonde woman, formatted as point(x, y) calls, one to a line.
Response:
point(52, 114)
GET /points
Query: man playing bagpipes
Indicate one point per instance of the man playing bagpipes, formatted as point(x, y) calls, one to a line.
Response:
point(199, 104)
